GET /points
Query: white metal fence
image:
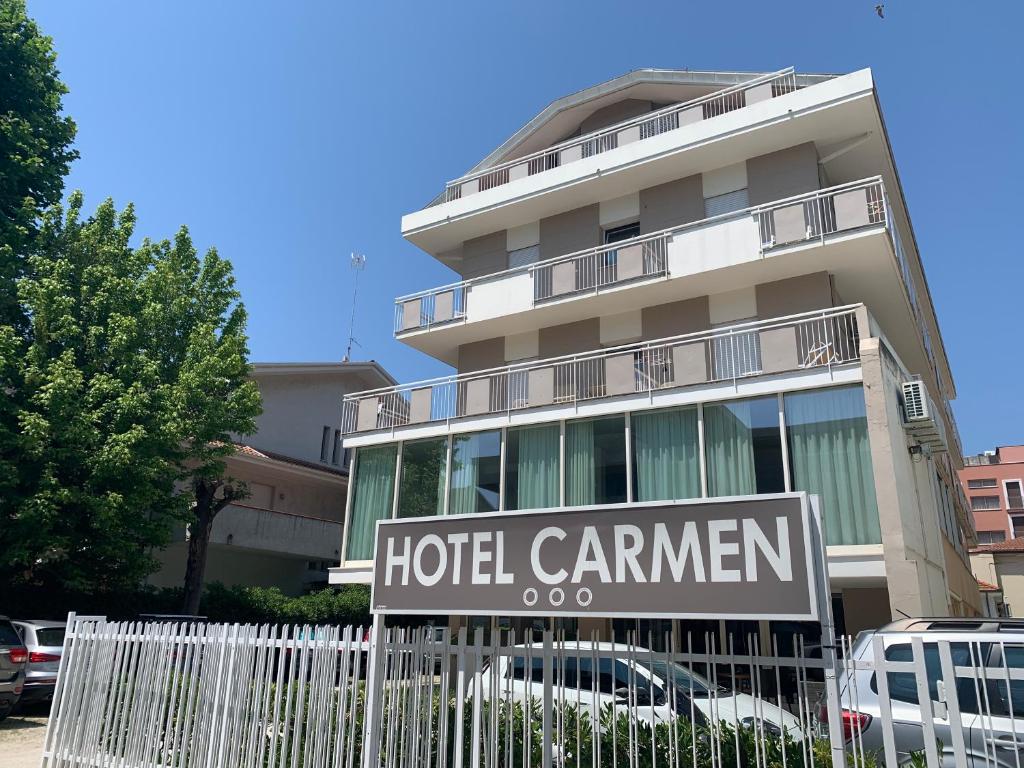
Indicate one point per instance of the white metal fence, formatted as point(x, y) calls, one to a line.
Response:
point(809, 340)
point(134, 695)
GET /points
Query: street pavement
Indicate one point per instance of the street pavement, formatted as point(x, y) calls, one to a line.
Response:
point(21, 737)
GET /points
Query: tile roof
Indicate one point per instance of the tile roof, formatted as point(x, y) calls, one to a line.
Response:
point(1010, 545)
point(259, 453)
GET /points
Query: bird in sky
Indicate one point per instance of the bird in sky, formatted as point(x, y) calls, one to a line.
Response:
point(880, 10)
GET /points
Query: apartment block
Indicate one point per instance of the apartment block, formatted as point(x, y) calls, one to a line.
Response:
point(676, 285)
point(994, 484)
point(288, 532)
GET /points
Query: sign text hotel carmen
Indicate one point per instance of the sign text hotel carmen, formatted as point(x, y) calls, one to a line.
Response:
point(740, 558)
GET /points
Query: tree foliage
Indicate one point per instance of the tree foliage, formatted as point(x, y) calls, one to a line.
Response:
point(35, 142)
point(135, 377)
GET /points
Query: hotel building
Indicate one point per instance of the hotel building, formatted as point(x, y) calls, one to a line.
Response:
point(673, 285)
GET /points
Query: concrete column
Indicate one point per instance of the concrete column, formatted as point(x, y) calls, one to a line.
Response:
point(911, 573)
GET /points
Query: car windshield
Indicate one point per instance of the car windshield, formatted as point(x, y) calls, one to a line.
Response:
point(684, 679)
point(50, 635)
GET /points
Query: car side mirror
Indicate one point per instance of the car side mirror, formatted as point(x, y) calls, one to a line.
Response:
point(622, 694)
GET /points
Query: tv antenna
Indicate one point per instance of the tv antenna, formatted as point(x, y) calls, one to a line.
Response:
point(357, 262)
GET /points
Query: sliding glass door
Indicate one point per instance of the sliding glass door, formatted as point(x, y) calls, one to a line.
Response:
point(476, 473)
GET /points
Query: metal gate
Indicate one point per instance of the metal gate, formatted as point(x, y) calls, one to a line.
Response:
point(181, 695)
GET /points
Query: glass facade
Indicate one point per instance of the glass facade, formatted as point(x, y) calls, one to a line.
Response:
point(476, 473)
point(531, 467)
point(421, 486)
point(373, 495)
point(744, 447)
point(666, 455)
point(595, 461)
point(821, 435)
point(829, 454)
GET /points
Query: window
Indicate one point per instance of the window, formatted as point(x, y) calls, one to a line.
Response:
point(1005, 703)
point(903, 685)
point(595, 461)
point(421, 486)
point(373, 497)
point(984, 482)
point(829, 454)
point(1014, 499)
point(325, 443)
point(666, 455)
point(531, 467)
point(625, 232)
point(981, 503)
point(744, 447)
point(727, 203)
point(336, 448)
point(991, 537)
point(476, 473)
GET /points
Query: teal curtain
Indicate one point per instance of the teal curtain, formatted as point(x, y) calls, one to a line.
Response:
point(372, 498)
point(580, 461)
point(665, 454)
point(729, 446)
point(537, 467)
point(829, 455)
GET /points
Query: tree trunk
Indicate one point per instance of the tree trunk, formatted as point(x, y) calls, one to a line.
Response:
point(198, 544)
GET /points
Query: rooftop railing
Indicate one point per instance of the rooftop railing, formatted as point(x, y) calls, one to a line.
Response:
point(823, 338)
point(646, 126)
point(793, 220)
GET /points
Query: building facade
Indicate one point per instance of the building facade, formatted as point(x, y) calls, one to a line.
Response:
point(288, 532)
point(994, 484)
point(675, 285)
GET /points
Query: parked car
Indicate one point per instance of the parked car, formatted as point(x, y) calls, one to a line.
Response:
point(991, 714)
point(632, 680)
point(13, 657)
point(44, 641)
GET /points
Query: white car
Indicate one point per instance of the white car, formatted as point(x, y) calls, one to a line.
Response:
point(631, 678)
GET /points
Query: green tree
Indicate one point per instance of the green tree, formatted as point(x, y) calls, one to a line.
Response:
point(35, 153)
point(197, 327)
point(35, 143)
point(136, 375)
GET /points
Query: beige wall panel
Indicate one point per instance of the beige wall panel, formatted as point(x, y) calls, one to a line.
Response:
point(782, 174)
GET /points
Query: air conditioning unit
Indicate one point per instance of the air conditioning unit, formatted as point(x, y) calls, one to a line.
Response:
point(920, 418)
point(916, 404)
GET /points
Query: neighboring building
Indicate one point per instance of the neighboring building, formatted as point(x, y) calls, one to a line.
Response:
point(994, 484)
point(1001, 565)
point(288, 532)
point(683, 284)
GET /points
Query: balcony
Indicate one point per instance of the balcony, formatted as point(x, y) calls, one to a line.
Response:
point(649, 266)
point(817, 340)
point(627, 132)
point(764, 114)
point(282, 533)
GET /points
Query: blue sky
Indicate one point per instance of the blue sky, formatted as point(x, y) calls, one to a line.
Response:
point(289, 134)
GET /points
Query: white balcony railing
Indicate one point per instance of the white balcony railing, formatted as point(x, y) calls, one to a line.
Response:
point(639, 128)
point(811, 216)
point(822, 338)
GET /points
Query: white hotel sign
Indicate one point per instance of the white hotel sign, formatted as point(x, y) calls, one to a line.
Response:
point(750, 557)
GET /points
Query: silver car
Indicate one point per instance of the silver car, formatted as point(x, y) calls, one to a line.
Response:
point(44, 641)
point(991, 713)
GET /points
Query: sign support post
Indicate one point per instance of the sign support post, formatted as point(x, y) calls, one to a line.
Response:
point(374, 700)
